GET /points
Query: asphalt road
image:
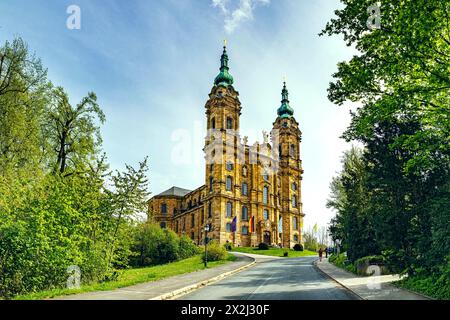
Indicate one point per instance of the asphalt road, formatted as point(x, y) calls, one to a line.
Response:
point(281, 279)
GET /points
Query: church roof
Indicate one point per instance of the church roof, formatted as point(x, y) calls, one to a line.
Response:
point(285, 111)
point(224, 78)
point(175, 192)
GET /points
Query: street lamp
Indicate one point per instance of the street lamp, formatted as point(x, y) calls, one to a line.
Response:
point(206, 243)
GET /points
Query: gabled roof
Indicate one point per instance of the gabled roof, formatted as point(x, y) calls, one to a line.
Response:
point(174, 192)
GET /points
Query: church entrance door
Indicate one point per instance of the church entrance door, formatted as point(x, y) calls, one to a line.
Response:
point(267, 237)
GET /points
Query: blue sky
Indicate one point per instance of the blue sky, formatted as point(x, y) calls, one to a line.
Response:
point(152, 65)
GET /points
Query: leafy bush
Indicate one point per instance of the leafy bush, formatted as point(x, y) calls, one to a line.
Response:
point(436, 286)
point(263, 246)
point(396, 260)
point(187, 248)
point(158, 246)
point(298, 247)
point(215, 252)
point(342, 261)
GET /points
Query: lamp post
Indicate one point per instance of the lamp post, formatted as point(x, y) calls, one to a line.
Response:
point(206, 244)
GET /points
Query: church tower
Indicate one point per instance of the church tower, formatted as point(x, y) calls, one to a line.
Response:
point(223, 110)
point(288, 137)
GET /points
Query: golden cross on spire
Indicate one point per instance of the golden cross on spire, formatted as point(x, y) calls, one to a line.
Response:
point(225, 42)
point(284, 79)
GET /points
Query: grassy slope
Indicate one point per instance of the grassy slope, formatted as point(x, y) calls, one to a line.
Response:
point(435, 287)
point(275, 252)
point(134, 276)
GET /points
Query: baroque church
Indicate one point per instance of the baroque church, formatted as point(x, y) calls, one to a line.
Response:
point(252, 193)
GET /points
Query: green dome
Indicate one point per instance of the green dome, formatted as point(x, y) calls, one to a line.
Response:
point(285, 111)
point(224, 77)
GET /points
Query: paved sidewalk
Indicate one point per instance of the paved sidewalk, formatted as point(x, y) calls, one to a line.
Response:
point(368, 288)
point(155, 289)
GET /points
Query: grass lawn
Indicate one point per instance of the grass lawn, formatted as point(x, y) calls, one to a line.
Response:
point(130, 277)
point(276, 252)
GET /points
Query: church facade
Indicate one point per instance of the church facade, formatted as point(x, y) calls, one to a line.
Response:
point(252, 193)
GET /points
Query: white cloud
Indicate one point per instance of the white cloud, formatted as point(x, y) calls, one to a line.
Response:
point(221, 4)
point(244, 12)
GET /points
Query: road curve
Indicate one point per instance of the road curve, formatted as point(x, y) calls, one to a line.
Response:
point(280, 279)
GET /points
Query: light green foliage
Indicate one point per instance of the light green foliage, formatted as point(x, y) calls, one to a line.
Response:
point(154, 245)
point(215, 252)
point(56, 210)
point(187, 248)
point(73, 134)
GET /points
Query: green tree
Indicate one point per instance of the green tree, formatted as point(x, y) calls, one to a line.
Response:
point(127, 199)
point(353, 223)
point(401, 76)
point(73, 133)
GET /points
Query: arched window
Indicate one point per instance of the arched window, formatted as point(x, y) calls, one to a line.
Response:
point(193, 221)
point(244, 189)
point(244, 213)
point(295, 238)
point(265, 195)
point(213, 123)
point(229, 165)
point(210, 210)
point(244, 230)
point(266, 214)
point(211, 168)
point(279, 150)
point(163, 208)
point(294, 186)
point(229, 123)
point(229, 209)
point(228, 227)
point(176, 226)
point(294, 201)
point(294, 223)
point(265, 176)
point(292, 151)
point(162, 225)
point(229, 183)
point(211, 181)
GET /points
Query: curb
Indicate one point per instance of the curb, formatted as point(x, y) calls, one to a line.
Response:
point(185, 290)
point(339, 283)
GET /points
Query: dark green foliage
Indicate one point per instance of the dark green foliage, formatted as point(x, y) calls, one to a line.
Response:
point(263, 246)
point(215, 252)
point(436, 285)
point(394, 199)
point(298, 247)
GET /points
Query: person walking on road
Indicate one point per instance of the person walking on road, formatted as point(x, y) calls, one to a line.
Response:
point(320, 254)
